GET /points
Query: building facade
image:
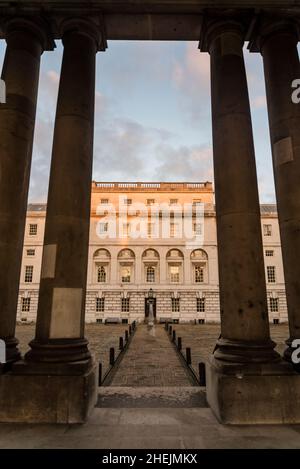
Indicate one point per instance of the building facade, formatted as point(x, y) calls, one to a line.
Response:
point(155, 239)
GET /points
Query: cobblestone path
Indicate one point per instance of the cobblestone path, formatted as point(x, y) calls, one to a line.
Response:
point(151, 361)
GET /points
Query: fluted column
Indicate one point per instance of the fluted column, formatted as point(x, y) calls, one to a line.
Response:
point(61, 307)
point(26, 41)
point(278, 46)
point(245, 334)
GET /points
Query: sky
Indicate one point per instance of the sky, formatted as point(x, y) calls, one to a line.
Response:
point(152, 115)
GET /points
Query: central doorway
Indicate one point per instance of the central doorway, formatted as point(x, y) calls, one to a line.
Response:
point(147, 307)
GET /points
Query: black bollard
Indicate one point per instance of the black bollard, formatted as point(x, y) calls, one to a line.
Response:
point(179, 343)
point(166, 326)
point(188, 356)
point(100, 374)
point(130, 330)
point(111, 356)
point(202, 374)
point(170, 330)
point(121, 344)
point(174, 336)
point(126, 336)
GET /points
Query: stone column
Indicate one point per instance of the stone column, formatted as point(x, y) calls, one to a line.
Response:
point(245, 334)
point(26, 41)
point(61, 307)
point(278, 45)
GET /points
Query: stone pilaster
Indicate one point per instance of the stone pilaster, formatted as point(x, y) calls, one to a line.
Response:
point(26, 39)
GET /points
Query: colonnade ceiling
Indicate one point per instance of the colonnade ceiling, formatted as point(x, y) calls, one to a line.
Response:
point(150, 19)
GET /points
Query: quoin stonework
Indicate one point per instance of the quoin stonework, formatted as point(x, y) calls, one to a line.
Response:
point(181, 269)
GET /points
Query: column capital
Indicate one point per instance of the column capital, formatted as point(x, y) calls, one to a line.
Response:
point(93, 28)
point(266, 26)
point(37, 26)
point(216, 27)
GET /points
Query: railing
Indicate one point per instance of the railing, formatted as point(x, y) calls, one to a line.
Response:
point(200, 377)
point(115, 356)
point(164, 186)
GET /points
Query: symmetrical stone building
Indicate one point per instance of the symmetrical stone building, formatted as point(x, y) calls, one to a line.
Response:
point(56, 381)
point(182, 270)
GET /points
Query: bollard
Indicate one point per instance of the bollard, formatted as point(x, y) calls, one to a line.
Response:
point(126, 336)
point(174, 336)
point(130, 330)
point(202, 374)
point(179, 344)
point(170, 330)
point(166, 326)
point(188, 356)
point(121, 344)
point(133, 325)
point(111, 356)
point(100, 374)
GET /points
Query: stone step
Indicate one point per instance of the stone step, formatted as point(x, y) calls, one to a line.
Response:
point(151, 397)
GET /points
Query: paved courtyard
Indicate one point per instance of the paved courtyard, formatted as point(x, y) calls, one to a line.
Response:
point(150, 359)
point(101, 339)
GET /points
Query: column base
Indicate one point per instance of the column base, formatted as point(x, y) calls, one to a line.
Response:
point(253, 393)
point(39, 395)
point(12, 352)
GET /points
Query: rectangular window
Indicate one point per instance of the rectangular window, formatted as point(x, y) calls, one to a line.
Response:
point(28, 273)
point(25, 305)
point(127, 201)
point(32, 229)
point(175, 305)
point(100, 305)
point(174, 273)
point(126, 229)
point(150, 201)
point(126, 274)
point(174, 230)
point(199, 274)
point(274, 303)
point(200, 305)
point(173, 201)
point(197, 202)
point(30, 252)
point(269, 253)
point(103, 227)
point(125, 305)
point(150, 227)
point(271, 274)
point(198, 229)
point(267, 230)
point(104, 201)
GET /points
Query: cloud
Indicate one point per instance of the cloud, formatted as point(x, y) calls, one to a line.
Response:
point(184, 163)
point(191, 80)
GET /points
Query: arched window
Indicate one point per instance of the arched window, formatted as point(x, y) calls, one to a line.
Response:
point(126, 260)
point(150, 259)
point(150, 274)
point(101, 274)
point(199, 262)
point(175, 265)
point(101, 266)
